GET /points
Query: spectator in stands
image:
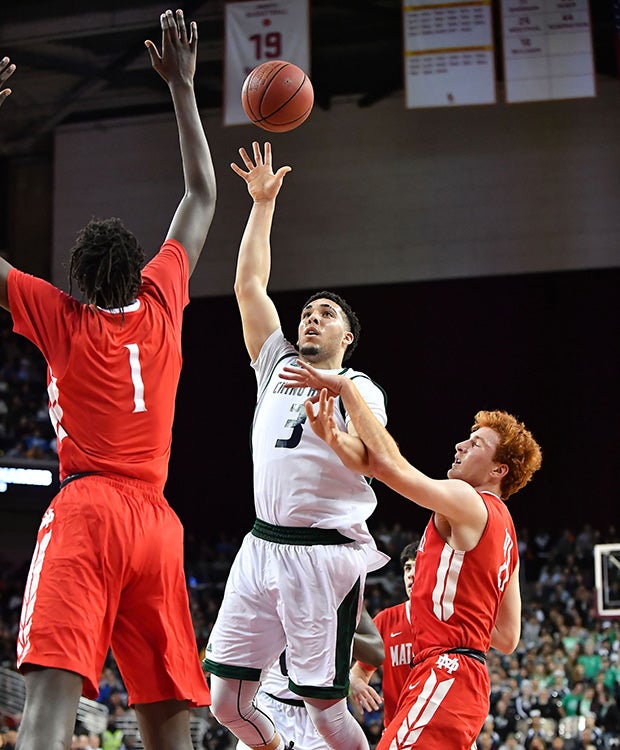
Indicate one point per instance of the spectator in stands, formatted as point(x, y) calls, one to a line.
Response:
point(571, 701)
point(488, 739)
point(609, 720)
point(524, 701)
point(511, 743)
point(129, 742)
point(504, 719)
point(548, 707)
point(590, 738)
point(590, 659)
point(112, 736)
point(109, 682)
point(558, 686)
point(537, 733)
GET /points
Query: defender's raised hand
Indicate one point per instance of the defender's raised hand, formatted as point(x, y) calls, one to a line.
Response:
point(178, 50)
point(322, 420)
point(306, 376)
point(7, 68)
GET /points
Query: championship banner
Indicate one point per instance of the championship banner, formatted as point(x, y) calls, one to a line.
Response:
point(547, 50)
point(449, 53)
point(255, 33)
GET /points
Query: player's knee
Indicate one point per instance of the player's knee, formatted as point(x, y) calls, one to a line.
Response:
point(232, 700)
point(250, 725)
point(225, 711)
point(224, 705)
point(329, 721)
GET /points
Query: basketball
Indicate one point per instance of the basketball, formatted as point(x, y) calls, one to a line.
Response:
point(277, 96)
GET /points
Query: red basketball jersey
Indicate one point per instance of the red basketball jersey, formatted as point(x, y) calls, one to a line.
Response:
point(456, 595)
point(107, 369)
point(394, 625)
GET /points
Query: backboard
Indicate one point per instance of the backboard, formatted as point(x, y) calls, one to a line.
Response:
point(607, 579)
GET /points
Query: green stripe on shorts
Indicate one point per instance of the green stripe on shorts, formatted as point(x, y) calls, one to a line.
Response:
point(297, 534)
point(347, 615)
point(233, 673)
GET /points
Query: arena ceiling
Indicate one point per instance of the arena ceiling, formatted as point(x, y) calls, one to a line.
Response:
point(88, 61)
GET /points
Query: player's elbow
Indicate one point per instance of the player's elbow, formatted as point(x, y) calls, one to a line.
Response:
point(247, 287)
point(506, 641)
point(384, 466)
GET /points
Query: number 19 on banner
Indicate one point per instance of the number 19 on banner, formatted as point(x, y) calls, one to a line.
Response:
point(257, 32)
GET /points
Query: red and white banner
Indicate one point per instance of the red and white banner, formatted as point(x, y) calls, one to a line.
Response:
point(256, 32)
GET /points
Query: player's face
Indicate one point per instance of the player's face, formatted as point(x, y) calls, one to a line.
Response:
point(408, 575)
point(322, 331)
point(475, 457)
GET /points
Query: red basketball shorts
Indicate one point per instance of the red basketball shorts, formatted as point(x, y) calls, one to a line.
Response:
point(107, 570)
point(442, 706)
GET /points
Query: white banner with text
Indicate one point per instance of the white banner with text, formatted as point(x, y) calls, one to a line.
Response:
point(547, 50)
point(255, 33)
point(449, 53)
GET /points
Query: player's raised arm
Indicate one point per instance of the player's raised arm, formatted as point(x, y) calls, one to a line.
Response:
point(177, 65)
point(259, 316)
point(7, 68)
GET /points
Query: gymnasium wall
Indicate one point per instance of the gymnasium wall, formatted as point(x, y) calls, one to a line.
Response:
point(377, 195)
point(541, 346)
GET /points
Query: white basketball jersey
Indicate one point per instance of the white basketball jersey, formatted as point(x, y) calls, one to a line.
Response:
point(298, 479)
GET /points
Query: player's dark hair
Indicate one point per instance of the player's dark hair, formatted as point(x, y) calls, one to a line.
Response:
point(409, 552)
point(352, 319)
point(106, 264)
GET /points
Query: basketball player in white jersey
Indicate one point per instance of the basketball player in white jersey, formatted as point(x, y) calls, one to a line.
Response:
point(298, 579)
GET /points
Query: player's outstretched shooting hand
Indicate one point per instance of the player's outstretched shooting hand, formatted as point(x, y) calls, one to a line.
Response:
point(263, 184)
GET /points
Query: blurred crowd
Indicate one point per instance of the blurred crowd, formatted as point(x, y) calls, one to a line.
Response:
point(25, 427)
point(559, 690)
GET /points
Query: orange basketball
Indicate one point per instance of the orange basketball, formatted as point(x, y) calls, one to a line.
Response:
point(277, 96)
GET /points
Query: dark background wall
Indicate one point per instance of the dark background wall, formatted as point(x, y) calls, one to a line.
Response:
point(542, 346)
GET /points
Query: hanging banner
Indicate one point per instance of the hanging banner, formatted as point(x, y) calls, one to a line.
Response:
point(547, 50)
point(449, 53)
point(256, 32)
